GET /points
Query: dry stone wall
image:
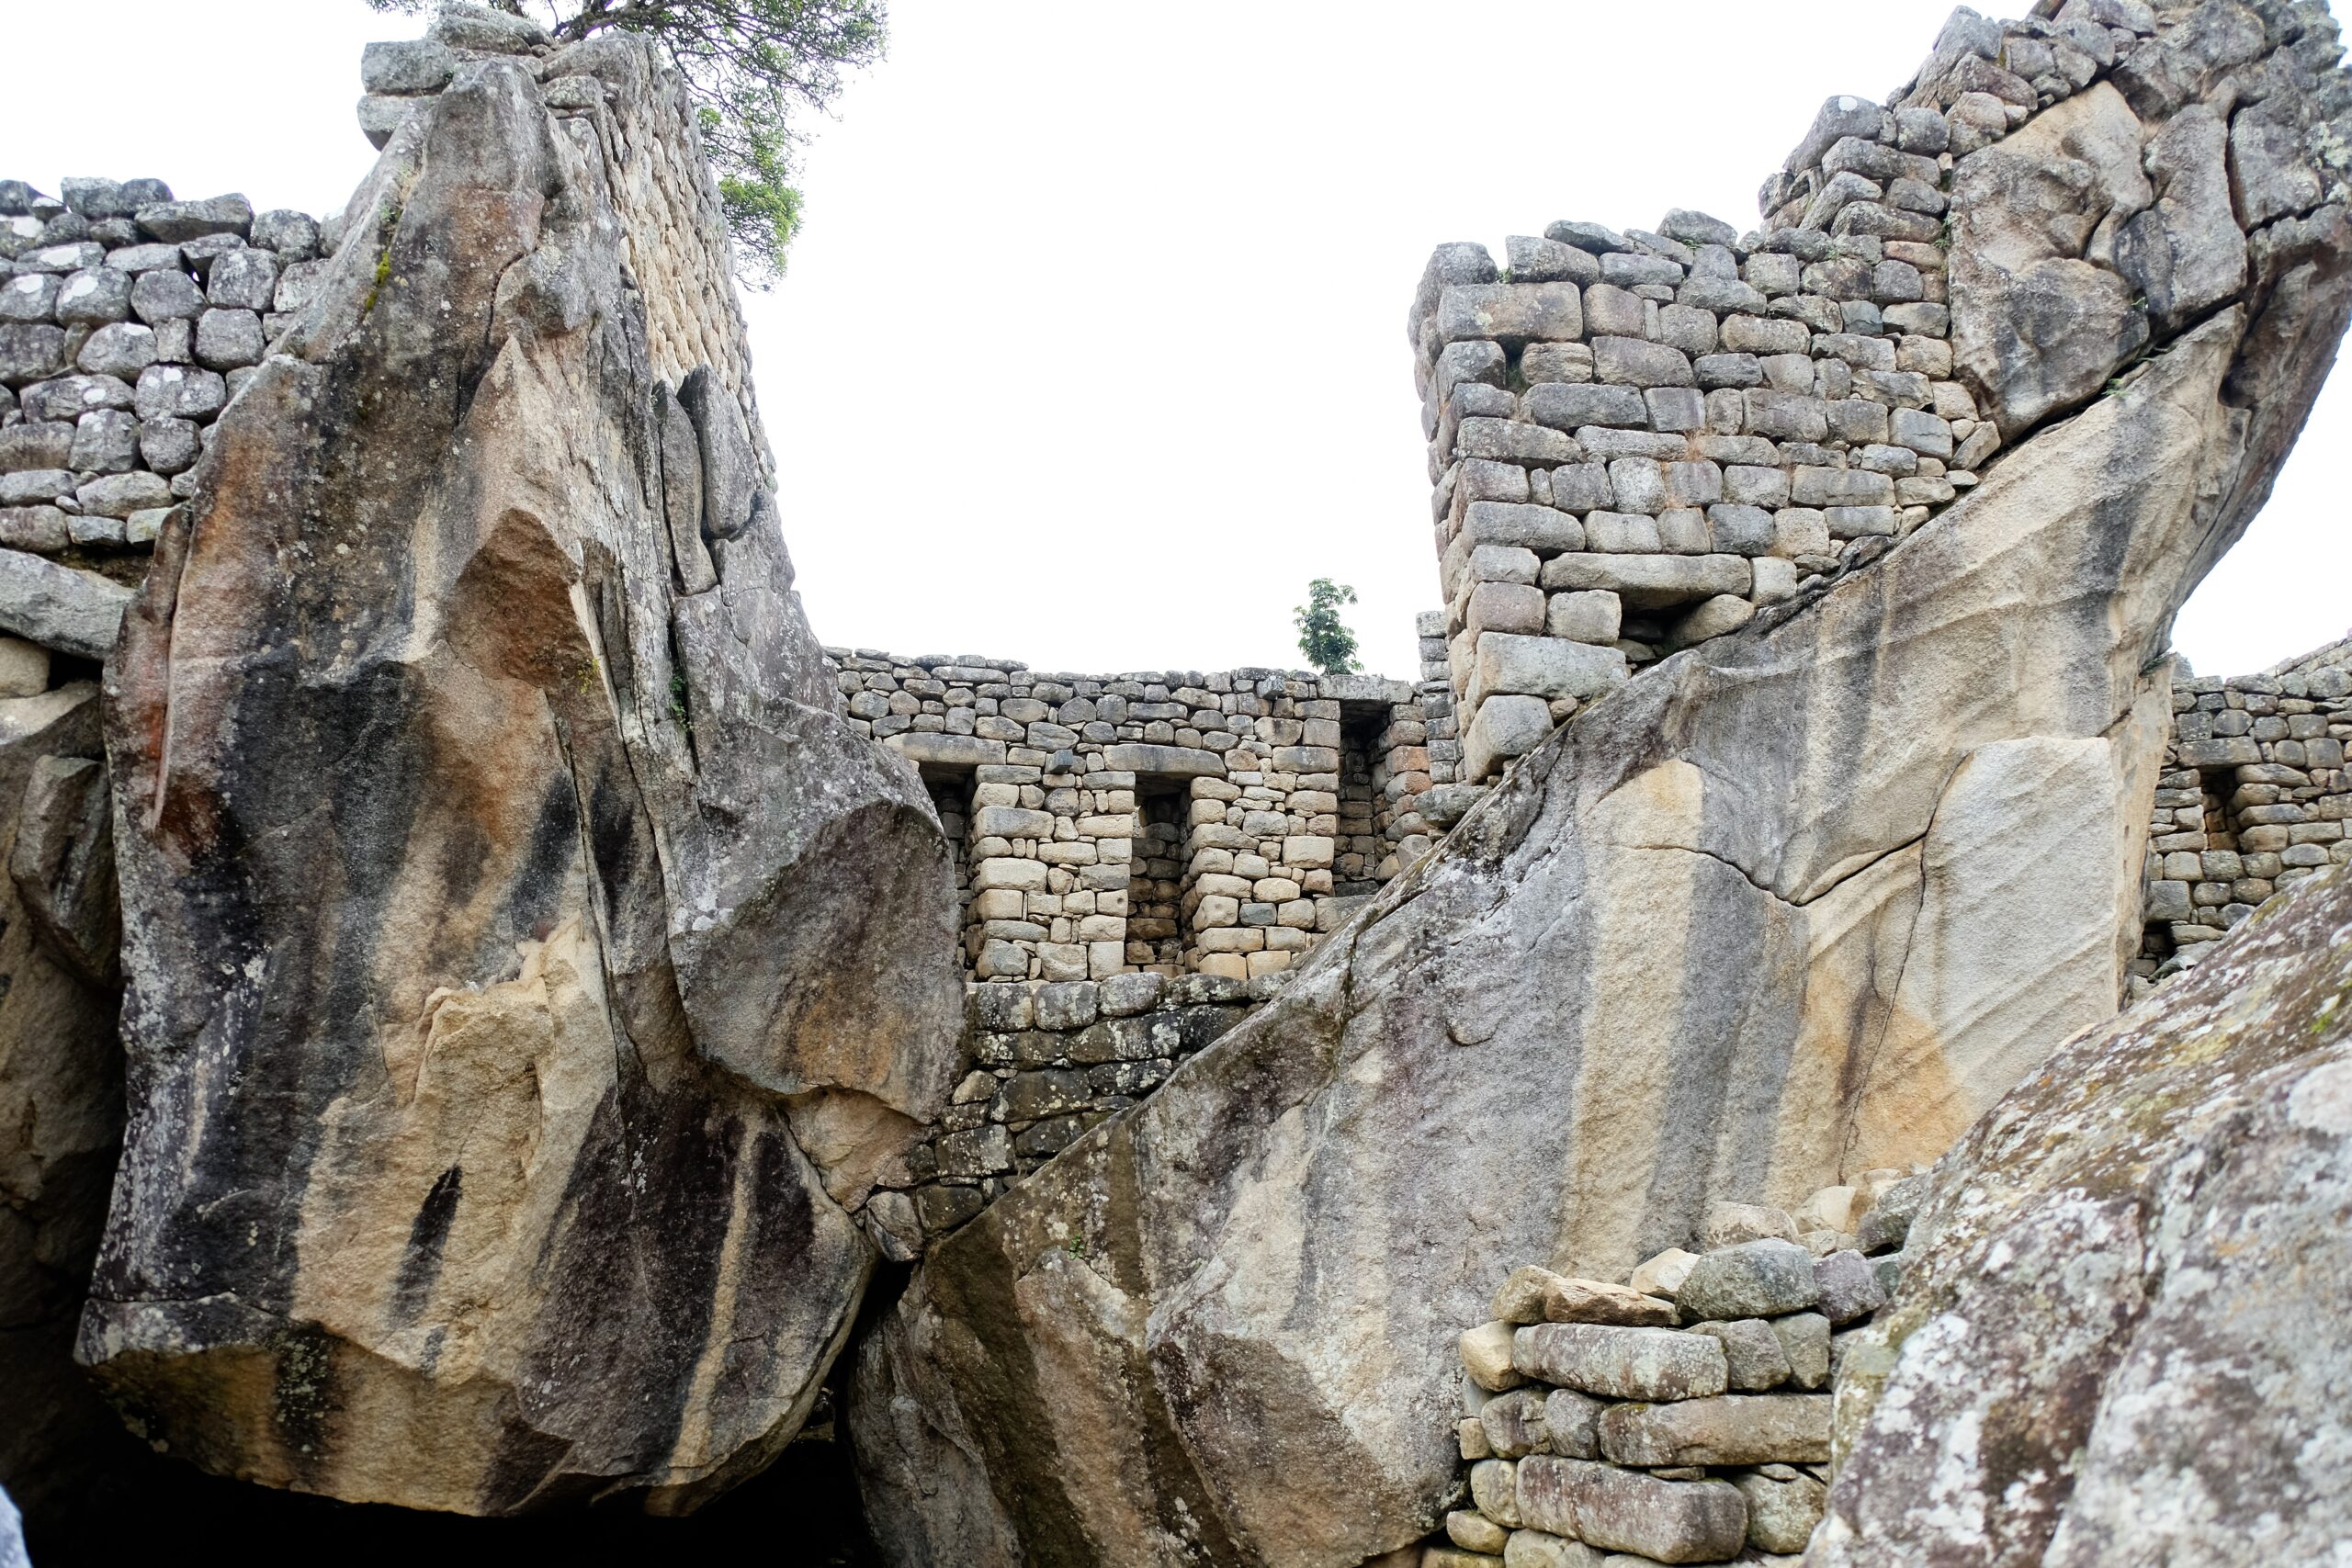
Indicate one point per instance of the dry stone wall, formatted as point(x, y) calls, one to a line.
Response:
point(1682, 1415)
point(1168, 822)
point(1047, 1061)
point(2254, 798)
point(127, 321)
point(1639, 439)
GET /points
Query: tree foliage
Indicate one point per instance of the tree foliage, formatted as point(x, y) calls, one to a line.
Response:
point(1325, 638)
point(750, 66)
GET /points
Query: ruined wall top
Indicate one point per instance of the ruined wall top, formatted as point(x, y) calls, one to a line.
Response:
point(1641, 439)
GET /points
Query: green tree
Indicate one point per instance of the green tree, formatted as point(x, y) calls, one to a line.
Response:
point(1322, 636)
point(748, 65)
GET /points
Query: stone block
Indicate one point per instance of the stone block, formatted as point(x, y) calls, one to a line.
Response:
point(1587, 617)
point(1663, 1274)
point(1507, 440)
point(1760, 335)
point(1735, 1428)
point(1782, 1508)
point(1509, 313)
point(1622, 533)
point(1757, 1359)
point(1570, 406)
point(1621, 1363)
point(1486, 1356)
point(1849, 1287)
point(1542, 667)
point(1631, 362)
point(1665, 1521)
point(1501, 728)
point(1504, 607)
point(1547, 364)
point(1783, 415)
point(1754, 1279)
point(1513, 1423)
point(1804, 1336)
point(1572, 1300)
point(1650, 583)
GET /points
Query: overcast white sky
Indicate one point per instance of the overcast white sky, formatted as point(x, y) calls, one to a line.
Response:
point(1093, 351)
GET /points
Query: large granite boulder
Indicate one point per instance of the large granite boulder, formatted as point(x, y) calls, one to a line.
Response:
point(528, 972)
point(2120, 1338)
point(1803, 901)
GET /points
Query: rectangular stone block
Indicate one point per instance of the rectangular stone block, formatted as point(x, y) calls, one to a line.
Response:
point(1543, 667)
point(1012, 822)
point(1631, 362)
point(1308, 852)
point(1650, 583)
point(1570, 406)
point(1005, 872)
point(1840, 486)
point(1621, 1363)
point(1665, 1521)
point(1504, 607)
point(1760, 334)
point(1785, 416)
point(1500, 730)
point(1750, 485)
point(1509, 441)
point(1509, 313)
point(1735, 1428)
point(1524, 524)
point(1587, 616)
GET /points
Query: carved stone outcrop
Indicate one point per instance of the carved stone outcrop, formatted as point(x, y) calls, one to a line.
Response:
point(529, 973)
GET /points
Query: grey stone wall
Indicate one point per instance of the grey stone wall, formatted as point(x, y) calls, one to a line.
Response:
point(127, 321)
point(1165, 821)
point(1638, 439)
point(1047, 1061)
point(2254, 797)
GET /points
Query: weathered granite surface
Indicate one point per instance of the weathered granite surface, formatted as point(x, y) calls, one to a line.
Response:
point(530, 972)
point(2120, 1338)
point(1806, 900)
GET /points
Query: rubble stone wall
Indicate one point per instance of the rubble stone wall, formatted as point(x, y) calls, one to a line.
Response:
point(1681, 1415)
point(2254, 797)
point(127, 321)
point(1170, 822)
point(1047, 1062)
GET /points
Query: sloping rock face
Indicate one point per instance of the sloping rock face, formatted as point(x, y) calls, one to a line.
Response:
point(2121, 1336)
point(528, 972)
point(1803, 901)
point(60, 1092)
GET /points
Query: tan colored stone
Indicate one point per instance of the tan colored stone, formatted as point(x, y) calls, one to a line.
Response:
point(1486, 1356)
point(1663, 1274)
point(1591, 1300)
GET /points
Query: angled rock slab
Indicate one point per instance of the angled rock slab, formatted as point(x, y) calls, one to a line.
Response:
point(1700, 944)
point(2120, 1338)
point(529, 974)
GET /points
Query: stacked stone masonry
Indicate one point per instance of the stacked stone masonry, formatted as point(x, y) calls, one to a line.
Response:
point(127, 321)
point(1167, 822)
point(2254, 797)
point(1047, 1062)
point(1640, 438)
point(1683, 1415)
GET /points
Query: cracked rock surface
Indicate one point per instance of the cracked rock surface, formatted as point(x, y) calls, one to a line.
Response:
point(528, 972)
